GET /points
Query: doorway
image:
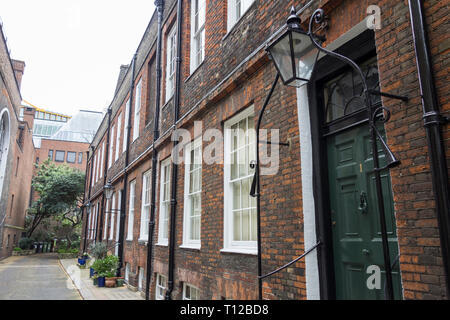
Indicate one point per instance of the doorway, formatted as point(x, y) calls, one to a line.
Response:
point(351, 261)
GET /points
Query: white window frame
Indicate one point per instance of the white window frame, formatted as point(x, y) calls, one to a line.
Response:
point(127, 272)
point(140, 278)
point(125, 125)
point(170, 62)
point(93, 222)
point(94, 172)
point(230, 245)
point(111, 149)
point(161, 286)
point(192, 289)
point(145, 208)
point(137, 110)
point(107, 212)
point(198, 18)
point(112, 212)
point(235, 6)
point(187, 241)
point(97, 175)
point(89, 232)
point(119, 204)
point(102, 151)
point(164, 204)
point(119, 120)
point(131, 208)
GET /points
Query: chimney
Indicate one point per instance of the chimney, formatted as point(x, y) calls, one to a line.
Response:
point(28, 116)
point(122, 73)
point(19, 68)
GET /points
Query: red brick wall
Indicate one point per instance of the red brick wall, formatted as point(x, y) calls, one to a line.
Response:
point(212, 94)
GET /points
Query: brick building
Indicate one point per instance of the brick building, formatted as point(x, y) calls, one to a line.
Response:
point(187, 231)
point(69, 143)
point(16, 152)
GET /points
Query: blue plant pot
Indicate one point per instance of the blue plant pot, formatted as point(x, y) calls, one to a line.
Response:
point(91, 272)
point(101, 282)
point(81, 261)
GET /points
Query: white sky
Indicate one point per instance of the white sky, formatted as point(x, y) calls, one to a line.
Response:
point(73, 49)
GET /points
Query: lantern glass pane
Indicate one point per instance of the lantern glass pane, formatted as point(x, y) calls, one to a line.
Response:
point(305, 54)
point(281, 54)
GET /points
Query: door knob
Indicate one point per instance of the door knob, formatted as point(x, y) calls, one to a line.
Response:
point(365, 252)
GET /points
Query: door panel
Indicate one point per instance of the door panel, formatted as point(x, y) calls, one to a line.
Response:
point(355, 220)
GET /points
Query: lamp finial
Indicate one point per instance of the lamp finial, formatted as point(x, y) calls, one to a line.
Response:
point(293, 21)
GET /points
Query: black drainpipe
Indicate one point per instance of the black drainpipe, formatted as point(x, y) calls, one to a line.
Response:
point(151, 225)
point(173, 201)
point(89, 198)
point(433, 121)
point(123, 196)
point(105, 172)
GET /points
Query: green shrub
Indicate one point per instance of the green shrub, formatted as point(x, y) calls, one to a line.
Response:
point(106, 267)
point(17, 249)
point(99, 250)
point(26, 243)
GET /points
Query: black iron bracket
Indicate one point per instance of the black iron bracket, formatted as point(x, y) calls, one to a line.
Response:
point(292, 262)
point(286, 144)
point(388, 95)
point(434, 117)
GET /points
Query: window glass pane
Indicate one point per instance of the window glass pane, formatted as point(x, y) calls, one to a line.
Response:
point(242, 152)
point(50, 154)
point(59, 156)
point(245, 226)
point(237, 195)
point(71, 156)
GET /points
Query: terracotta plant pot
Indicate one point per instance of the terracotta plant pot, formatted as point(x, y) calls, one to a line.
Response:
point(110, 282)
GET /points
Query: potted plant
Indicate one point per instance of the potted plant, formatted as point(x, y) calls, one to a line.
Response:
point(81, 261)
point(97, 271)
point(106, 269)
point(119, 281)
point(95, 279)
point(99, 251)
point(111, 264)
point(101, 280)
point(110, 279)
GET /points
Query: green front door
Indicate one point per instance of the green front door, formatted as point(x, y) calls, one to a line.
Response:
point(357, 245)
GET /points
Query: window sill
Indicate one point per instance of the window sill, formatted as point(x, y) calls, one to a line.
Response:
point(193, 72)
point(143, 241)
point(162, 244)
point(167, 102)
point(129, 240)
point(190, 247)
point(245, 251)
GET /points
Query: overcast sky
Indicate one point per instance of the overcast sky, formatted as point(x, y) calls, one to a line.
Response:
point(73, 49)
